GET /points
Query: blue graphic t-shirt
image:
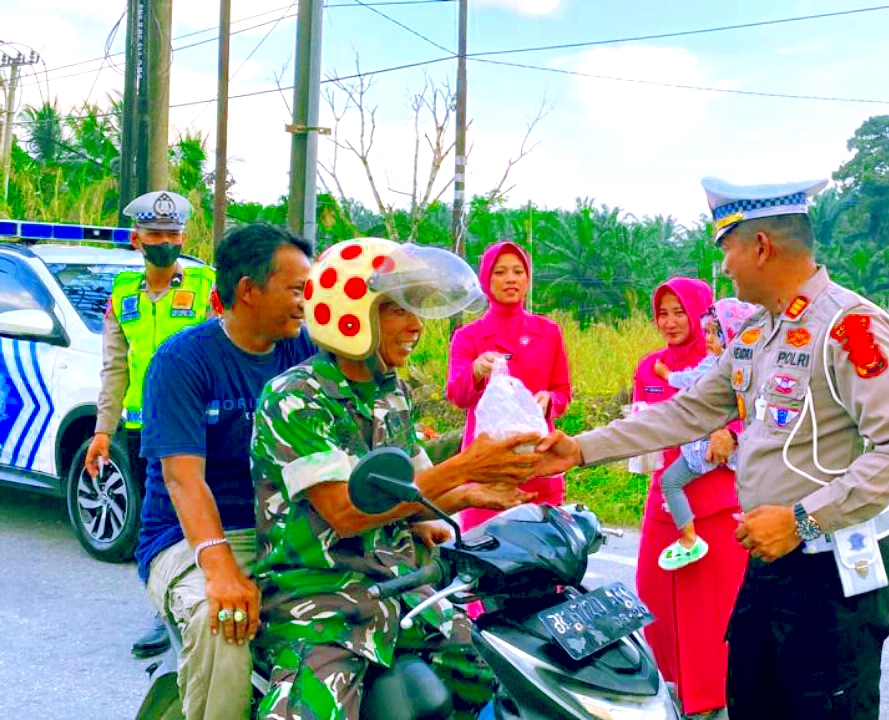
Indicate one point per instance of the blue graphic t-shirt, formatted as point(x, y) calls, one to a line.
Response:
point(200, 395)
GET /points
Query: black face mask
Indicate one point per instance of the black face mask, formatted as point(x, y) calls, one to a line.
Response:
point(162, 255)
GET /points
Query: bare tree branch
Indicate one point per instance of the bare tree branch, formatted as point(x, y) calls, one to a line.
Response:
point(498, 193)
point(356, 97)
point(278, 79)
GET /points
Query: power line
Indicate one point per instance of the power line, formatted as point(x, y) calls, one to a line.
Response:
point(481, 57)
point(412, 31)
point(488, 53)
point(252, 27)
point(433, 61)
point(681, 33)
point(243, 63)
point(338, 78)
point(680, 86)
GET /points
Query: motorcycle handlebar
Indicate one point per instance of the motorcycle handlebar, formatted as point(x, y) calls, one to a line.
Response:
point(431, 574)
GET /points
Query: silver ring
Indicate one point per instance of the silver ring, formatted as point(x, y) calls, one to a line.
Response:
point(239, 616)
point(224, 615)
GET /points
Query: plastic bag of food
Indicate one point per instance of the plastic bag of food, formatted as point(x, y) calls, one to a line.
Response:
point(508, 408)
point(650, 462)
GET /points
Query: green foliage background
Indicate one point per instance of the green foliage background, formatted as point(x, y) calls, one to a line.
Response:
point(595, 266)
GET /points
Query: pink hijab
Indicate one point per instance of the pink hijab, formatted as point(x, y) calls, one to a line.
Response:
point(696, 297)
point(508, 317)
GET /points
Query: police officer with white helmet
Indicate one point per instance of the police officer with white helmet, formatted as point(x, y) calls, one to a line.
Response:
point(146, 307)
point(808, 376)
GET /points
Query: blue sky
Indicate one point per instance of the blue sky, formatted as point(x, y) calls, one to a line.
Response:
point(638, 146)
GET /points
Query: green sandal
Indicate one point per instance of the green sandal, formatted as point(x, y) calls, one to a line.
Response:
point(675, 556)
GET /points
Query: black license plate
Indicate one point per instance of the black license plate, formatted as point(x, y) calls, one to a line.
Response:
point(588, 623)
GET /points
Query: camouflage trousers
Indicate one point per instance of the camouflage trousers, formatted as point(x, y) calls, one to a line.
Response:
point(324, 682)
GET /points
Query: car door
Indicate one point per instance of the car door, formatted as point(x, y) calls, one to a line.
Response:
point(28, 355)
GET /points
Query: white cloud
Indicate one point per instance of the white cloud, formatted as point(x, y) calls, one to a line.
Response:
point(525, 7)
point(643, 116)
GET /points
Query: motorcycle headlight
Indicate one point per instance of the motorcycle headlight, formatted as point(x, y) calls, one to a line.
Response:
point(659, 707)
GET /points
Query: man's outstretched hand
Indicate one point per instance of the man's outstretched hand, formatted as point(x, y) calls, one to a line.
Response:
point(560, 453)
point(487, 460)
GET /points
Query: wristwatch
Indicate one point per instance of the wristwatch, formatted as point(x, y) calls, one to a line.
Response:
point(807, 527)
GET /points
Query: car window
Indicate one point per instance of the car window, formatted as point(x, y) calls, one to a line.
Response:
point(88, 287)
point(15, 294)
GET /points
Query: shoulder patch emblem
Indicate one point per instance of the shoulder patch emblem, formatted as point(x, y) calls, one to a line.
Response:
point(797, 307)
point(750, 336)
point(854, 335)
point(129, 308)
point(183, 299)
point(798, 337)
point(785, 384)
point(783, 416)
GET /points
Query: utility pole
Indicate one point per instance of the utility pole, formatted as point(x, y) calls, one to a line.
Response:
point(306, 102)
point(219, 196)
point(14, 63)
point(460, 144)
point(160, 23)
point(136, 130)
point(129, 131)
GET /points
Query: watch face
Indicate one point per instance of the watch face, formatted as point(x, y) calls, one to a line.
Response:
point(807, 529)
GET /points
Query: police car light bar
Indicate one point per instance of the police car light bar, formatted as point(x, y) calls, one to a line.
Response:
point(36, 231)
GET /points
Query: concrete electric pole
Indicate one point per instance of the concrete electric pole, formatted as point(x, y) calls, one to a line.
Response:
point(460, 144)
point(129, 131)
point(160, 58)
point(145, 150)
point(14, 63)
point(305, 130)
point(219, 196)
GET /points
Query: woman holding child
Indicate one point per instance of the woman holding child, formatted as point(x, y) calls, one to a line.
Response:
point(691, 598)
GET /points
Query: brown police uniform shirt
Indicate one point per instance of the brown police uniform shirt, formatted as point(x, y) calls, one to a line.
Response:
point(774, 375)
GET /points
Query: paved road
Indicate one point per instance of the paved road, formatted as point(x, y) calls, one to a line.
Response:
point(69, 620)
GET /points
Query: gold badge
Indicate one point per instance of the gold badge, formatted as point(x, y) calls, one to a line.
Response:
point(749, 337)
point(799, 337)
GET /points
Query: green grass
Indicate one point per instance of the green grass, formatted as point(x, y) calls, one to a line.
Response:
point(602, 360)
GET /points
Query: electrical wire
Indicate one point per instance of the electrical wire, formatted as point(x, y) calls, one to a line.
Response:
point(409, 29)
point(482, 56)
point(240, 67)
point(679, 86)
point(108, 41)
point(681, 33)
point(235, 22)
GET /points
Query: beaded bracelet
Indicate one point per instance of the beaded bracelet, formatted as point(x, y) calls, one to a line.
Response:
point(203, 546)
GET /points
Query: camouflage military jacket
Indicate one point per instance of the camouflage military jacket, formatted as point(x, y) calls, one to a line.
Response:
point(311, 427)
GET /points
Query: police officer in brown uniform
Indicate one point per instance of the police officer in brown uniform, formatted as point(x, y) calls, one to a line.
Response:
point(808, 376)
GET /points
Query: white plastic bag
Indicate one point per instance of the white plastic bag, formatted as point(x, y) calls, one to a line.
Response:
point(650, 462)
point(508, 408)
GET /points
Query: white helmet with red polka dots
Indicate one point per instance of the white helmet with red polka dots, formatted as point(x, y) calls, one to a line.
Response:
point(350, 278)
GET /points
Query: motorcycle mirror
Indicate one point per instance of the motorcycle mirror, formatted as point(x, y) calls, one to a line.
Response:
point(384, 478)
point(381, 480)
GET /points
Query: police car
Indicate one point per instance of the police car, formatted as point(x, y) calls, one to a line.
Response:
point(53, 297)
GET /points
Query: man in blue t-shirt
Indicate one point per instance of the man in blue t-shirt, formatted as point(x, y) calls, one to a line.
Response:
point(197, 538)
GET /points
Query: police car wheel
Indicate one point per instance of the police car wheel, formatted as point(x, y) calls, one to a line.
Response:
point(105, 511)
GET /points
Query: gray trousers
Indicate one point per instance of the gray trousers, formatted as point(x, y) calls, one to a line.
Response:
point(673, 482)
point(214, 676)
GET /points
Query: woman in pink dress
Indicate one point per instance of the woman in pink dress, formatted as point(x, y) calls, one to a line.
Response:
point(691, 605)
point(536, 356)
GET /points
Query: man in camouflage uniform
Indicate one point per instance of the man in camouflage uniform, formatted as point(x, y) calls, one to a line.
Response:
point(319, 555)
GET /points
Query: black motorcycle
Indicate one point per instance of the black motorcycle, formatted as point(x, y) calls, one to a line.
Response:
point(559, 650)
